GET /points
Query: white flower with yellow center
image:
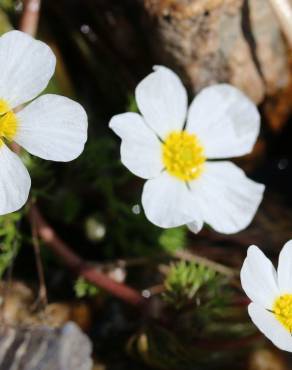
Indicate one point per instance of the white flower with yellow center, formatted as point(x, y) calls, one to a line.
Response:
point(270, 293)
point(184, 186)
point(52, 127)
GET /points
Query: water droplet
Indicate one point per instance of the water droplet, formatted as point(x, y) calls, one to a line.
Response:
point(85, 29)
point(146, 293)
point(283, 163)
point(136, 209)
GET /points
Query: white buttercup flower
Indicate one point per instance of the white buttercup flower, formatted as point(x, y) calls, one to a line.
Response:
point(52, 127)
point(270, 293)
point(184, 186)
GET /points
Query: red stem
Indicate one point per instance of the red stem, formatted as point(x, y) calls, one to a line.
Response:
point(227, 344)
point(78, 265)
point(30, 16)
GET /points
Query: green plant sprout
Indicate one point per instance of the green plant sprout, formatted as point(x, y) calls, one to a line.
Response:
point(85, 289)
point(184, 280)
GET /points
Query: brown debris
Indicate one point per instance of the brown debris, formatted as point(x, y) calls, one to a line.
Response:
point(18, 308)
point(265, 359)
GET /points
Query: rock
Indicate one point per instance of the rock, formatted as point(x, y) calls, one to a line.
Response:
point(43, 348)
point(211, 41)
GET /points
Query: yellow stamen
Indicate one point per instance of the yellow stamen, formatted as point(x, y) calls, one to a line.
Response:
point(8, 125)
point(8, 122)
point(4, 107)
point(282, 309)
point(183, 155)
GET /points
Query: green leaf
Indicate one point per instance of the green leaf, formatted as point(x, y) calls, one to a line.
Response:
point(85, 289)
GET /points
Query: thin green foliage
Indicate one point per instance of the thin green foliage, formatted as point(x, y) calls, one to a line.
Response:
point(184, 281)
point(10, 239)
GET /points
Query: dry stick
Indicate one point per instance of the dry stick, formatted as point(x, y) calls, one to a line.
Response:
point(283, 11)
point(30, 17)
point(227, 344)
point(43, 297)
point(78, 265)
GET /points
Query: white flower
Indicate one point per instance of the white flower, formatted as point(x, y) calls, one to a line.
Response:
point(184, 186)
point(270, 293)
point(52, 127)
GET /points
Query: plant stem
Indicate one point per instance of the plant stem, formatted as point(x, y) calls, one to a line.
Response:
point(78, 265)
point(43, 297)
point(227, 344)
point(30, 16)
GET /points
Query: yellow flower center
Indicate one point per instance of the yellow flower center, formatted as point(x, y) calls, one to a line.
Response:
point(282, 309)
point(4, 107)
point(8, 122)
point(183, 155)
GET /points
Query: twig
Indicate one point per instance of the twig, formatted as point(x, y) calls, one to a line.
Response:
point(43, 297)
point(227, 345)
point(78, 265)
point(283, 11)
point(30, 16)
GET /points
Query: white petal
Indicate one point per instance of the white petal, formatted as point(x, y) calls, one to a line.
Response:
point(162, 100)
point(140, 148)
point(225, 120)
point(258, 278)
point(285, 268)
point(228, 199)
point(167, 202)
point(26, 67)
point(14, 181)
point(52, 127)
point(270, 327)
point(195, 226)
